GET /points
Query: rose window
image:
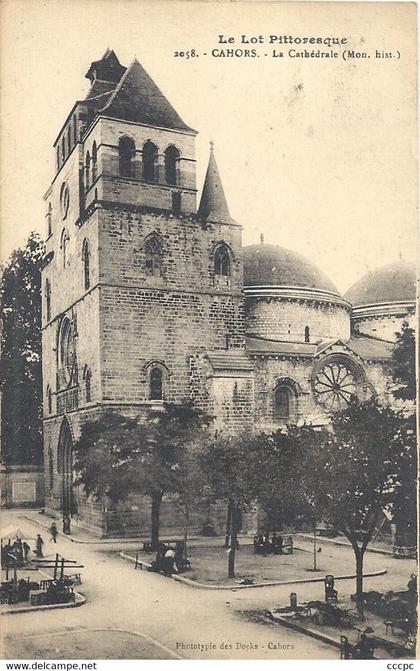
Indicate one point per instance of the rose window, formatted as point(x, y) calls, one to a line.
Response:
point(336, 381)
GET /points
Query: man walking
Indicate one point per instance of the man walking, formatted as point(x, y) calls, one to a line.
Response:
point(39, 544)
point(54, 532)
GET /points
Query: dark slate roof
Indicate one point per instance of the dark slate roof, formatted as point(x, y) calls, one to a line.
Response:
point(213, 205)
point(229, 360)
point(370, 348)
point(100, 88)
point(367, 347)
point(108, 68)
point(265, 346)
point(138, 99)
point(394, 282)
point(270, 265)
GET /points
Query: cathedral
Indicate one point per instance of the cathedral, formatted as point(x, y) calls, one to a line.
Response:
point(148, 298)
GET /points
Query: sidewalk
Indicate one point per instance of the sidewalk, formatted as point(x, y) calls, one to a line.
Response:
point(338, 541)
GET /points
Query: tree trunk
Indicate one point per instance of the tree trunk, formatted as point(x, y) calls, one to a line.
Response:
point(156, 501)
point(359, 583)
point(187, 520)
point(234, 528)
point(228, 524)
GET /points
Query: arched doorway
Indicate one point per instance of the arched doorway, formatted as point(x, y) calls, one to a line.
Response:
point(65, 468)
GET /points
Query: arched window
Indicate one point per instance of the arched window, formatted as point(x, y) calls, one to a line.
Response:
point(153, 256)
point(87, 171)
point(222, 261)
point(282, 398)
point(49, 220)
point(150, 162)
point(74, 129)
point(285, 400)
point(64, 246)
point(66, 353)
point(47, 300)
point(87, 376)
point(86, 263)
point(58, 157)
point(307, 334)
point(69, 137)
point(63, 148)
point(94, 161)
point(171, 157)
point(49, 400)
point(126, 153)
point(156, 384)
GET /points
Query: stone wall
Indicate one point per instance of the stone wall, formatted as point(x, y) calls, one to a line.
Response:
point(286, 319)
point(21, 486)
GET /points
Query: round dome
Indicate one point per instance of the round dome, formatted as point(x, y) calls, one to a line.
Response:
point(270, 265)
point(392, 283)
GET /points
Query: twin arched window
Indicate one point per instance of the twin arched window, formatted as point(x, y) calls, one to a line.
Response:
point(87, 171)
point(87, 376)
point(49, 400)
point(47, 300)
point(126, 155)
point(86, 263)
point(153, 256)
point(49, 220)
point(171, 158)
point(64, 245)
point(94, 162)
point(150, 155)
point(222, 261)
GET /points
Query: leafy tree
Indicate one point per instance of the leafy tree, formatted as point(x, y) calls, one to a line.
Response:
point(118, 456)
point(21, 370)
point(283, 491)
point(404, 365)
point(230, 464)
point(356, 470)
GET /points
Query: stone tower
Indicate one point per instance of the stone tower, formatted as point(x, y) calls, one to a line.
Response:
point(142, 293)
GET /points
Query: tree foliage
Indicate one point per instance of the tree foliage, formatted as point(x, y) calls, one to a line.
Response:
point(118, 456)
point(357, 469)
point(404, 364)
point(21, 369)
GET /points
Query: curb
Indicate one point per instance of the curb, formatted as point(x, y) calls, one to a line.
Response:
point(104, 541)
point(81, 600)
point(199, 585)
point(332, 541)
point(303, 630)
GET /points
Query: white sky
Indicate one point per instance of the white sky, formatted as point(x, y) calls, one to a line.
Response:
point(319, 156)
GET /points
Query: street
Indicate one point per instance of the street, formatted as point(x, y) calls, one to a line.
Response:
point(140, 615)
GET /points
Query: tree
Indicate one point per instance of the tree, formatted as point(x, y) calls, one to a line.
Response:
point(21, 368)
point(118, 456)
point(230, 464)
point(404, 364)
point(356, 470)
point(282, 492)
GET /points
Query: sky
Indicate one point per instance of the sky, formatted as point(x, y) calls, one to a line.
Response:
point(318, 156)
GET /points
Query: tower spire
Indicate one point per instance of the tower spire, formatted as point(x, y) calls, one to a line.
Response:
point(213, 203)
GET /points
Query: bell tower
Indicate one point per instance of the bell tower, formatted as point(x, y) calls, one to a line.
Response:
point(141, 290)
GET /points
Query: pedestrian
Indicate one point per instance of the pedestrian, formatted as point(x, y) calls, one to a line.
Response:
point(26, 549)
point(39, 544)
point(169, 561)
point(54, 532)
point(66, 524)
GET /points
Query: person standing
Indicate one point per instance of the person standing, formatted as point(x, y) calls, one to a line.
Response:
point(54, 532)
point(26, 549)
point(39, 544)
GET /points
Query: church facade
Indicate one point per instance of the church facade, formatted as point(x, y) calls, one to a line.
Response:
point(148, 298)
